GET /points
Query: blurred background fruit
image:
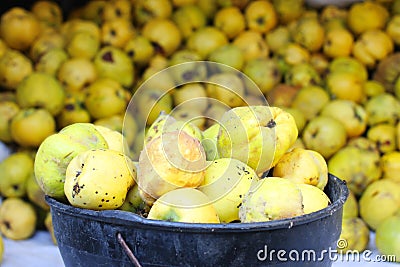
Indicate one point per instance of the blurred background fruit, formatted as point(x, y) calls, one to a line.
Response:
point(387, 236)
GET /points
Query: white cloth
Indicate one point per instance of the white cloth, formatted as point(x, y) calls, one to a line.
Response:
point(38, 251)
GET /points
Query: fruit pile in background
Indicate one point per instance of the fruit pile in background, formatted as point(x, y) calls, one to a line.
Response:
point(335, 70)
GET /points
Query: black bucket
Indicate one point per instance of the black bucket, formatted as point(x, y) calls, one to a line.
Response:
point(120, 238)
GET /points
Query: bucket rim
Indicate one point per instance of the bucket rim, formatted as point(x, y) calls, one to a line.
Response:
point(126, 218)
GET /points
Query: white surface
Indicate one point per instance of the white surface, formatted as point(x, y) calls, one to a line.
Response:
point(39, 251)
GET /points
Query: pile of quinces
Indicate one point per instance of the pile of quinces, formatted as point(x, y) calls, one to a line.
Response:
point(177, 179)
point(334, 69)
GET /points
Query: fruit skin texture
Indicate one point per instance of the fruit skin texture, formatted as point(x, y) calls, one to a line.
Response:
point(227, 88)
point(298, 117)
point(8, 109)
point(164, 33)
point(261, 16)
point(291, 54)
point(390, 164)
point(352, 115)
point(105, 97)
point(47, 12)
point(209, 141)
point(39, 123)
point(288, 10)
point(151, 103)
point(350, 207)
point(309, 33)
point(157, 127)
point(184, 205)
point(182, 74)
point(325, 135)
point(310, 100)
point(19, 28)
point(140, 50)
point(382, 108)
point(357, 166)
point(205, 40)
point(271, 198)
point(189, 18)
point(386, 72)
point(74, 110)
point(15, 171)
point(226, 181)
point(115, 140)
point(51, 61)
point(345, 85)
point(117, 32)
point(117, 9)
point(17, 219)
point(75, 25)
point(356, 234)
point(360, 14)
point(56, 151)
point(282, 95)
point(191, 95)
point(392, 28)
point(303, 166)
point(372, 88)
point(75, 73)
point(257, 135)
point(112, 62)
point(314, 199)
point(230, 20)
point(379, 201)
point(35, 194)
point(147, 10)
point(167, 123)
point(387, 237)
point(349, 65)
point(252, 45)
point(302, 75)
point(14, 67)
point(384, 135)
point(134, 203)
point(99, 179)
point(83, 45)
point(338, 42)
point(265, 74)
point(372, 46)
point(41, 90)
point(170, 161)
point(49, 39)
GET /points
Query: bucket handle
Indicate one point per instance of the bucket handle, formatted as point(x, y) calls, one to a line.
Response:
point(128, 251)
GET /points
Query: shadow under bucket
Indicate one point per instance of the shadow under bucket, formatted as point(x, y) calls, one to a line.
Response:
point(106, 238)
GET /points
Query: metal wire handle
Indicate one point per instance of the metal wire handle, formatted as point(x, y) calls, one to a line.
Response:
point(128, 251)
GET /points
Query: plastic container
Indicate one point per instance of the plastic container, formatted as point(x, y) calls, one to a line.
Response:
point(118, 238)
